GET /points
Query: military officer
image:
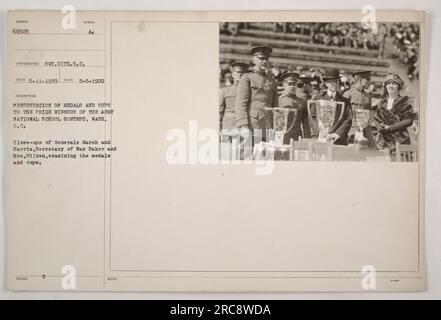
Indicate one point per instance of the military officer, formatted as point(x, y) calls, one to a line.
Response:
point(312, 89)
point(227, 98)
point(298, 126)
point(303, 88)
point(315, 86)
point(256, 91)
point(338, 133)
point(357, 95)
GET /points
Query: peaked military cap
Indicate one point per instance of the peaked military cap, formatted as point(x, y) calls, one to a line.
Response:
point(262, 51)
point(362, 74)
point(290, 76)
point(240, 65)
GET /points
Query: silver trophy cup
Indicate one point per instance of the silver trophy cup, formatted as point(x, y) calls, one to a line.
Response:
point(325, 111)
point(361, 120)
point(280, 122)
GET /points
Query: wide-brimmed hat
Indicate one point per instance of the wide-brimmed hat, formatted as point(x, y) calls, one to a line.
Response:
point(391, 77)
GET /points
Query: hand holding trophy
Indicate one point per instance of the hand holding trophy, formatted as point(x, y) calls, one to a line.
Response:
point(361, 119)
point(280, 122)
point(325, 112)
point(332, 137)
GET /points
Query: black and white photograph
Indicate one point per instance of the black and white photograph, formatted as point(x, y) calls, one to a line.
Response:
point(310, 177)
point(334, 91)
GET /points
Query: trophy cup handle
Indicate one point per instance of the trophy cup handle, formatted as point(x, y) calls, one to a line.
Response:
point(313, 124)
point(308, 108)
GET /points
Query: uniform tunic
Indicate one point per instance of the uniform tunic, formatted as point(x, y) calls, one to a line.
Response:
point(358, 99)
point(227, 107)
point(256, 91)
point(301, 120)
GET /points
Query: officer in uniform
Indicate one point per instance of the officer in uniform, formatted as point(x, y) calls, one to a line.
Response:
point(227, 98)
point(303, 88)
point(256, 91)
point(311, 88)
point(315, 86)
point(358, 97)
point(298, 126)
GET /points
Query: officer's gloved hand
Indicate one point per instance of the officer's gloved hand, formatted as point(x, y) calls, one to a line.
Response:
point(243, 128)
point(334, 137)
point(244, 132)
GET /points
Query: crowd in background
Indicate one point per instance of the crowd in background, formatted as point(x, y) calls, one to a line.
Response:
point(403, 38)
point(406, 42)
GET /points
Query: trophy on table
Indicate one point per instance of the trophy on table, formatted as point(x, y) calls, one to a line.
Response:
point(325, 111)
point(361, 119)
point(281, 122)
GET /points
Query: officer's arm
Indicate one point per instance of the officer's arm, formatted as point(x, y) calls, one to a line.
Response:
point(369, 102)
point(222, 106)
point(243, 97)
point(347, 123)
point(305, 122)
point(276, 97)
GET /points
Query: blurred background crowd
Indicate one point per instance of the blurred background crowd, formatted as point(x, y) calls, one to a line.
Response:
point(399, 42)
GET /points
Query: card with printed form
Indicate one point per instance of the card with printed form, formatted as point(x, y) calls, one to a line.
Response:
point(215, 151)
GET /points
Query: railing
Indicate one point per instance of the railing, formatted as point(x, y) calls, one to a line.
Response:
point(311, 150)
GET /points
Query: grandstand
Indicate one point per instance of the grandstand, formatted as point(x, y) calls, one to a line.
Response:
point(292, 50)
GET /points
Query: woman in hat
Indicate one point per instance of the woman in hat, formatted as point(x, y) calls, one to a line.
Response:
point(393, 116)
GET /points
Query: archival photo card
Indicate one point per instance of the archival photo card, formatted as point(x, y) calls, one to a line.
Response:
point(275, 151)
